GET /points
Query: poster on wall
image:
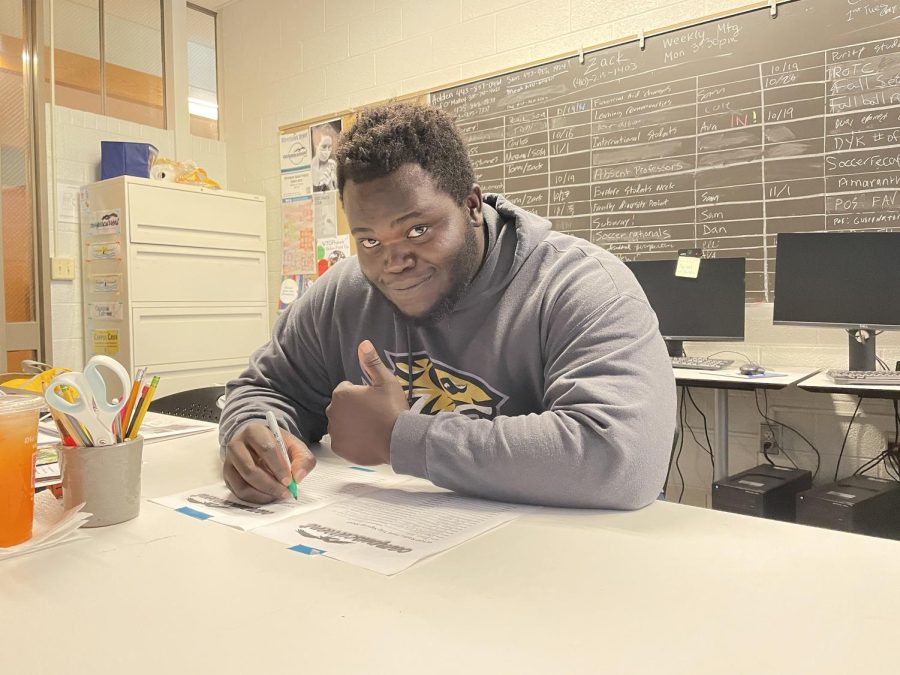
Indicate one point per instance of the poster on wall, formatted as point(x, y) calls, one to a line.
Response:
point(298, 238)
point(67, 202)
point(294, 151)
point(295, 184)
point(323, 139)
point(292, 287)
point(330, 250)
point(325, 214)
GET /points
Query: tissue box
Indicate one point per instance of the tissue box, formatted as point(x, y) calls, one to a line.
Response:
point(118, 158)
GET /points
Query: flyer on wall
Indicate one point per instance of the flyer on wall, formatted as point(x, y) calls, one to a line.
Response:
point(323, 140)
point(325, 214)
point(294, 151)
point(299, 253)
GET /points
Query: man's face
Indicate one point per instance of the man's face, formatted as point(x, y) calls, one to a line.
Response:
point(415, 244)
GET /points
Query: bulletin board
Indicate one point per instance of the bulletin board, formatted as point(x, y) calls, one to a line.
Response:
point(315, 233)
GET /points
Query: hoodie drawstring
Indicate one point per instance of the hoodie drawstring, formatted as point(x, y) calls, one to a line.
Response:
point(409, 366)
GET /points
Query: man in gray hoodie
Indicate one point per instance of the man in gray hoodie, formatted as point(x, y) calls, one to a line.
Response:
point(466, 343)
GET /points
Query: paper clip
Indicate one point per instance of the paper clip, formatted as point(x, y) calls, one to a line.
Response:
point(773, 8)
point(641, 40)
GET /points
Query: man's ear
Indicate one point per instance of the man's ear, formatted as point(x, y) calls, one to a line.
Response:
point(474, 203)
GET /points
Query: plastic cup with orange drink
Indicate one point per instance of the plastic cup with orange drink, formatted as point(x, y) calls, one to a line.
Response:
point(18, 446)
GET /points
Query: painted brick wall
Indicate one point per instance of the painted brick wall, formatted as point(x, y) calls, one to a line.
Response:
point(304, 58)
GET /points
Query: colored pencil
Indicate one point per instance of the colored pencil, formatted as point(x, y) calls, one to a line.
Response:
point(65, 433)
point(142, 410)
point(78, 432)
point(132, 397)
point(137, 408)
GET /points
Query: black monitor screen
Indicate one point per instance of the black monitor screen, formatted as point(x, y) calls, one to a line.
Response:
point(847, 279)
point(710, 307)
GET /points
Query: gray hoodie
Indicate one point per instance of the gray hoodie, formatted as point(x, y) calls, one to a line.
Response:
point(549, 383)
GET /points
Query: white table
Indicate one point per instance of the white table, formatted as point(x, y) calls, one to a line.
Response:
point(823, 384)
point(668, 589)
point(731, 378)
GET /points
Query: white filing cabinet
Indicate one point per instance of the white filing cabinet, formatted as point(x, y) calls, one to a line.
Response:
point(174, 278)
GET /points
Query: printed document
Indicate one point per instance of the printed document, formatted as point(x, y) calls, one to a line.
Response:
point(387, 530)
point(379, 521)
point(329, 482)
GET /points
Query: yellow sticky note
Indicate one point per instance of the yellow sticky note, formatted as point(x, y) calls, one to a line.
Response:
point(688, 267)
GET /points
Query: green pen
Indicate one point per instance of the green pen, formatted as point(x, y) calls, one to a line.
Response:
point(276, 432)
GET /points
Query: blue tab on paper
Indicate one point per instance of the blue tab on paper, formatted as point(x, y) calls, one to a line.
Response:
point(193, 513)
point(362, 468)
point(306, 550)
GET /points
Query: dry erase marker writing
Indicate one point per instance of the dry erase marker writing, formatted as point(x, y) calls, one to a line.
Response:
point(276, 432)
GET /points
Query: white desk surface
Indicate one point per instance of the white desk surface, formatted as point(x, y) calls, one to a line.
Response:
point(668, 589)
point(823, 383)
point(731, 378)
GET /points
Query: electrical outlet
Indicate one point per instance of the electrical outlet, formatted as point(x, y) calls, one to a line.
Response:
point(62, 269)
point(770, 437)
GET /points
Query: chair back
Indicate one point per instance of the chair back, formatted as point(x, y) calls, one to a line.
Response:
point(195, 404)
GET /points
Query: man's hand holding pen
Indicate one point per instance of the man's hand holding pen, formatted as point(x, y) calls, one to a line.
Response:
point(255, 469)
point(360, 421)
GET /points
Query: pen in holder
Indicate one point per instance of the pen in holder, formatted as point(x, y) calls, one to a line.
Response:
point(107, 479)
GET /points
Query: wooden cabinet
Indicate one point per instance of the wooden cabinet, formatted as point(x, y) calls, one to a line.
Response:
point(174, 279)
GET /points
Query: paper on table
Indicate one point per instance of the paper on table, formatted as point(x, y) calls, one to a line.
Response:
point(46, 469)
point(52, 526)
point(387, 530)
point(46, 438)
point(155, 427)
point(47, 474)
point(328, 483)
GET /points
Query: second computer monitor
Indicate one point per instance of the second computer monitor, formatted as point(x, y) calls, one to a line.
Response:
point(845, 280)
point(708, 308)
point(839, 279)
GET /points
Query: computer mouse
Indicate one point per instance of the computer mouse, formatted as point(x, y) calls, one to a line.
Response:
point(751, 368)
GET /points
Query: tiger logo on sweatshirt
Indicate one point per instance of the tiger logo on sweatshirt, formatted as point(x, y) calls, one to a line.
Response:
point(436, 387)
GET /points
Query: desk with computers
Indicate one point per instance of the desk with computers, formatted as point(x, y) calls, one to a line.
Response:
point(848, 280)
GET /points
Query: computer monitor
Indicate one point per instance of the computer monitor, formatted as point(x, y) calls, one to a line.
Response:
point(709, 308)
point(840, 279)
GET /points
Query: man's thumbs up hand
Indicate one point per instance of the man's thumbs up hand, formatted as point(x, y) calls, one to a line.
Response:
point(361, 418)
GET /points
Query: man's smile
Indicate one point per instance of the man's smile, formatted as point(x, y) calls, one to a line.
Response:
point(409, 285)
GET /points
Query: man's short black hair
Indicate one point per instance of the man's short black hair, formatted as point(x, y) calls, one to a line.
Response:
point(386, 137)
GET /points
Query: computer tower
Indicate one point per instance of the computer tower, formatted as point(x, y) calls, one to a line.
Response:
point(860, 504)
point(766, 491)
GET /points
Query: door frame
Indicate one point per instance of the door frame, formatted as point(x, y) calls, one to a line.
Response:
point(33, 335)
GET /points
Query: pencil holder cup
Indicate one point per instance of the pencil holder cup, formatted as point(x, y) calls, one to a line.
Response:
point(107, 479)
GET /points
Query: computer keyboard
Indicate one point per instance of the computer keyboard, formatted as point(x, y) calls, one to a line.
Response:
point(889, 377)
point(699, 363)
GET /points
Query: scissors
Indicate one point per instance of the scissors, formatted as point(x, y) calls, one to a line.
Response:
point(92, 409)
